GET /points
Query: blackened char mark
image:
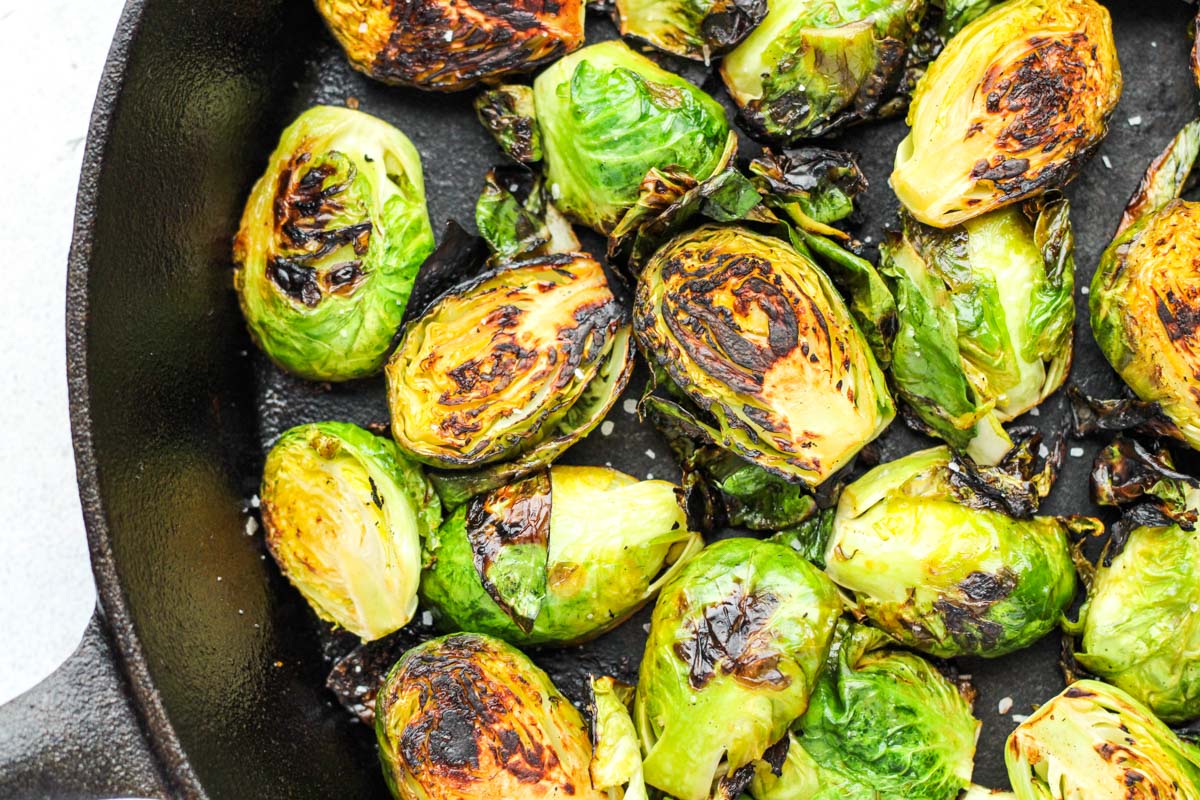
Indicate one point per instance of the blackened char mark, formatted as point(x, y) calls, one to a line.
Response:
point(734, 636)
point(965, 614)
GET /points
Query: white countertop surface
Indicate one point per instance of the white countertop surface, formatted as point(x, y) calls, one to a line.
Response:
point(51, 56)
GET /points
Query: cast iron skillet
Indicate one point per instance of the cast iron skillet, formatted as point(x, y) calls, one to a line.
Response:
point(202, 673)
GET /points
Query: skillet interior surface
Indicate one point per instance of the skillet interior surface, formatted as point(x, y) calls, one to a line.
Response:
point(175, 409)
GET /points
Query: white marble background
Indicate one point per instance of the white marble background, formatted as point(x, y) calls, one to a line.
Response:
point(51, 56)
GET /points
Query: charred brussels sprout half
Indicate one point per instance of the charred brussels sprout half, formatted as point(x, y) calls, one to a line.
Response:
point(814, 66)
point(1094, 742)
point(736, 642)
point(881, 723)
point(445, 46)
point(986, 312)
point(607, 115)
point(345, 514)
point(559, 557)
point(1013, 106)
point(1140, 629)
point(330, 243)
point(930, 549)
point(698, 29)
point(467, 717)
point(518, 358)
point(753, 333)
point(1144, 297)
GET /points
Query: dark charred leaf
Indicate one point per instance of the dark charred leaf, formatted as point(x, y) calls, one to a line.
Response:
point(1091, 415)
point(509, 533)
point(507, 113)
point(1017, 484)
point(820, 183)
point(356, 677)
point(459, 257)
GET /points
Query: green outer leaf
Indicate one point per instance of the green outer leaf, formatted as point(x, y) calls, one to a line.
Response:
point(881, 723)
point(344, 514)
point(616, 757)
point(347, 333)
point(763, 672)
point(607, 116)
point(455, 488)
point(515, 230)
point(1140, 628)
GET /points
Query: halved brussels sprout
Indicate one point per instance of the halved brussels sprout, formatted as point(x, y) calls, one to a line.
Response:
point(1013, 106)
point(1094, 742)
point(929, 546)
point(813, 66)
point(345, 514)
point(616, 755)
point(330, 243)
point(881, 723)
point(495, 368)
point(1140, 629)
point(446, 46)
point(698, 29)
point(987, 312)
point(559, 557)
point(607, 115)
point(736, 642)
point(468, 717)
point(1144, 293)
point(754, 334)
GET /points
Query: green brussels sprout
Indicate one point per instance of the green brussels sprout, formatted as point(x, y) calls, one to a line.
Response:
point(752, 331)
point(814, 66)
point(1013, 106)
point(697, 29)
point(1094, 742)
point(345, 514)
point(987, 313)
point(1139, 629)
point(607, 115)
point(468, 717)
point(881, 723)
point(445, 46)
point(947, 556)
point(616, 755)
point(330, 243)
point(521, 359)
point(559, 557)
point(1143, 304)
point(736, 642)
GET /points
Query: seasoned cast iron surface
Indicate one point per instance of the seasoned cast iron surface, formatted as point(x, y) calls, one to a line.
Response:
point(183, 408)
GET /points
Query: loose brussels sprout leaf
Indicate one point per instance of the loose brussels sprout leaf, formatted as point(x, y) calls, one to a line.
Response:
point(756, 336)
point(1127, 472)
point(608, 116)
point(1091, 415)
point(507, 113)
point(736, 642)
point(810, 184)
point(518, 221)
point(491, 368)
point(581, 419)
point(471, 718)
point(698, 29)
point(986, 313)
point(1013, 106)
point(1142, 298)
point(932, 557)
point(330, 243)
point(881, 723)
point(813, 67)
point(444, 46)
point(956, 14)
point(616, 757)
point(344, 514)
point(590, 572)
point(1140, 630)
point(1094, 742)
